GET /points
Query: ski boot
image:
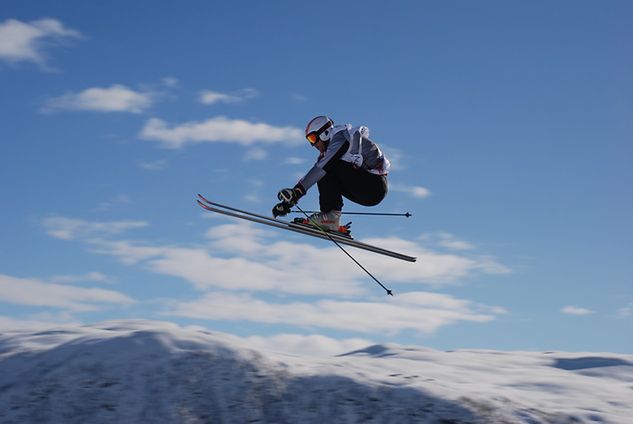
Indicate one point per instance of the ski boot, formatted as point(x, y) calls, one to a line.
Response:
point(327, 221)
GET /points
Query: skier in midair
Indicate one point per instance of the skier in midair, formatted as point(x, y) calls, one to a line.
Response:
point(349, 165)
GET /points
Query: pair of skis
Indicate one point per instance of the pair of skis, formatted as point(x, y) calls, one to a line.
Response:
point(311, 231)
point(298, 228)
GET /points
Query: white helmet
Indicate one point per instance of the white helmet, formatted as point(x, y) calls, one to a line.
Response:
point(319, 128)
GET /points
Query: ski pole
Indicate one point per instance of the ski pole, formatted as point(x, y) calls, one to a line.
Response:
point(389, 292)
point(406, 214)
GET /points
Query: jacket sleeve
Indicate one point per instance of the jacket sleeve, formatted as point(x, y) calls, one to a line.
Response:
point(336, 149)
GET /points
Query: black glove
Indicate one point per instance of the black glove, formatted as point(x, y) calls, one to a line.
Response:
point(291, 195)
point(281, 209)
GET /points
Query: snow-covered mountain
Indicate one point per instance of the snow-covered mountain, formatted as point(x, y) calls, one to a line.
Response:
point(144, 372)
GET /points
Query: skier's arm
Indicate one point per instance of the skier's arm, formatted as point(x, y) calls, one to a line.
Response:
point(320, 169)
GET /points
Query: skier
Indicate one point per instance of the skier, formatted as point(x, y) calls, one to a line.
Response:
point(349, 165)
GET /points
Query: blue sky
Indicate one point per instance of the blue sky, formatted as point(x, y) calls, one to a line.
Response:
point(508, 125)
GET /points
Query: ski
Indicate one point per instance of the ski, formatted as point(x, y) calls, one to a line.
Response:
point(298, 228)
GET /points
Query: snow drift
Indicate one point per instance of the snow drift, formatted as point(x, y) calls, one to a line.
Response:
point(143, 372)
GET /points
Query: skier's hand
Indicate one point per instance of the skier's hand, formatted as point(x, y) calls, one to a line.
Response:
point(291, 195)
point(281, 209)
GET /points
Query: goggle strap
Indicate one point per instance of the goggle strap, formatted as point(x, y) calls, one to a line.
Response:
point(318, 132)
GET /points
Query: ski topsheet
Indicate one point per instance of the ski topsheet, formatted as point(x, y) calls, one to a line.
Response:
point(302, 229)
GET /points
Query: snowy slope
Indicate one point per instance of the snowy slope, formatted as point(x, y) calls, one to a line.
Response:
point(143, 372)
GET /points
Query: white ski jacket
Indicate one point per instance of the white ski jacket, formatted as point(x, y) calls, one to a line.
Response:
point(350, 145)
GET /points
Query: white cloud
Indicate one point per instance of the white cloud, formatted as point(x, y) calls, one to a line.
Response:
point(236, 238)
point(218, 129)
point(31, 292)
point(297, 267)
point(574, 310)
point(448, 241)
point(418, 192)
point(25, 41)
point(241, 257)
point(93, 277)
point(626, 311)
point(116, 98)
point(69, 229)
point(273, 267)
point(35, 323)
point(307, 345)
point(255, 154)
point(265, 264)
point(419, 311)
point(432, 267)
point(396, 156)
point(451, 242)
point(127, 252)
point(209, 97)
point(170, 82)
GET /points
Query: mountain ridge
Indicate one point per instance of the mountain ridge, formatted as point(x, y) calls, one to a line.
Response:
point(147, 371)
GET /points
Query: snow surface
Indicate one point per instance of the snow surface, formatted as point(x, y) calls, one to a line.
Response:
point(145, 371)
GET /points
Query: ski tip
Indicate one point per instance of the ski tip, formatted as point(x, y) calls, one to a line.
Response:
point(204, 199)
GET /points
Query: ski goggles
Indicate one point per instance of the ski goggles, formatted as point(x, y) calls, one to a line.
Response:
point(313, 136)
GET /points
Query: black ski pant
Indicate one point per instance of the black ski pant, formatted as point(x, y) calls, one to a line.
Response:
point(344, 180)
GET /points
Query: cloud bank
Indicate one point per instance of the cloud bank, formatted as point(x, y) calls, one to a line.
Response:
point(418, 311)
point(246, 273)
